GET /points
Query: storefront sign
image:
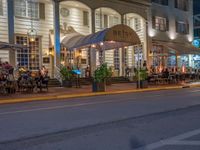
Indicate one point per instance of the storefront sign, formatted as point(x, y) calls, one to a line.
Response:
point(46, 60)
point(196, 43)
point(122, 33)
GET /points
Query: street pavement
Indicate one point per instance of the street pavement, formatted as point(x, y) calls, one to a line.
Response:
point(159, 120)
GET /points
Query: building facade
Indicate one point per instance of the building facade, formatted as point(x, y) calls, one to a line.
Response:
point(156, 23)
point(171, 32)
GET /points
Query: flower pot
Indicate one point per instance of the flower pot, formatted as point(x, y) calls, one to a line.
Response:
point(67, 83)
point(143, 84)
point(98, 87)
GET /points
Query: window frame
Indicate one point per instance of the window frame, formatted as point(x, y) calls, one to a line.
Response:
point(25, 54)
point(160, 23)
point(1, 7)
point(161, 2)
point(86, 21)
point(27, 9)
point(180, 24)
point(182, 5)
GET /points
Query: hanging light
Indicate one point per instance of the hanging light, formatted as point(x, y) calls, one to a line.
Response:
point(32, 32)
point(93, 46)
point(101, 44)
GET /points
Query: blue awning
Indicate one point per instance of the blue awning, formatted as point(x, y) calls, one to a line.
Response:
point(110, 38)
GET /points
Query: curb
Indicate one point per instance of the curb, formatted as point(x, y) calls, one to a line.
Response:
point(64, 97)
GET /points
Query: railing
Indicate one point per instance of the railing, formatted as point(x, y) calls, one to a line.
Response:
point(57, 74)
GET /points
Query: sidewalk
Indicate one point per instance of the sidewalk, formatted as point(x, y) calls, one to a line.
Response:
point(59, 93)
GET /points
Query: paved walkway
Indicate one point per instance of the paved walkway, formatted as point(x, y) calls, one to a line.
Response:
point(63, 93)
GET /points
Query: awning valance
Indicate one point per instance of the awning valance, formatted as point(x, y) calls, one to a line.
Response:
point(179, 48)
point(114, 37)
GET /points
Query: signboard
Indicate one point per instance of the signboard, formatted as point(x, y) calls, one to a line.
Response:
point(196, 43)
point(46, 60)
point(122, 33)
point(83, 61)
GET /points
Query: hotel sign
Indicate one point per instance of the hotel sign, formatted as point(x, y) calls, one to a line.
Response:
point(122, 33)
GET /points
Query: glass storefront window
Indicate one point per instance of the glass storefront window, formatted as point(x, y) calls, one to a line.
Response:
point(28, 57)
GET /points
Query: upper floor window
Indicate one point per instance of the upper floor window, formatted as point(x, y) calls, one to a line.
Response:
point(105, 21)
point(160, 23)
point(29, 9)
point(137, 24)
point(85, 18)
point(113, 20)
point(182, 4)
point(197, 33)
point(162, 2)
point(182, 27)
point(1, 7)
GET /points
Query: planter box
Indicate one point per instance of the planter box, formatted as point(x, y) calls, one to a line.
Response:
point(98, 87)
point(143, 84)
point(67, 84)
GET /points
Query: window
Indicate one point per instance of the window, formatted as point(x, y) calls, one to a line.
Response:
point(162, 2)
point(126, 56)
point(137, 24)
point(85, 18)
point(28, 9)
point(116, 59)
point(113, 20)
point(160, 23)
point(182, 4)
point(105, 17)
point(30, 57)
point(182, 27)
point(197, 33)
point(1, 7)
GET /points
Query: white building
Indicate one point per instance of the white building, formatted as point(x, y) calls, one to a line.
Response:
point(56, 20)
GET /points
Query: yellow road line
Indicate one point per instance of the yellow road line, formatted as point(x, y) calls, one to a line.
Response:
point(67, 96)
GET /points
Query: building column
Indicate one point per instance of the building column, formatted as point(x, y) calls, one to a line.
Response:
point(11, 28)
point(92, 50)
point(122, 19)
point(122, 53)
point(56, 34)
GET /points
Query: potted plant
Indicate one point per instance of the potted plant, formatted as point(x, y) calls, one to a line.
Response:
point(109, 76)
point(66, 75)
point(142, 78)
point(101, 74)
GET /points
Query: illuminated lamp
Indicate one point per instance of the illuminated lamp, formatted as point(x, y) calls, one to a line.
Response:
point(190, 38)
point(93, 46)
point(183, 69)
point(151, 33)
point(32, 33)
point(160, 69)
point(101, 43)
point(172, 35)
point(62, 62)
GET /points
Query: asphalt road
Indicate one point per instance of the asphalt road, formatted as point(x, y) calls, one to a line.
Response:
point(161, 120)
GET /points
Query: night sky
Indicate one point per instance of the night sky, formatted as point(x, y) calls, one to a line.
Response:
point(196, 6)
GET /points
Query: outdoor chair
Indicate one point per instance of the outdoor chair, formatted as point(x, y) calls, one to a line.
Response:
point(42, 83)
